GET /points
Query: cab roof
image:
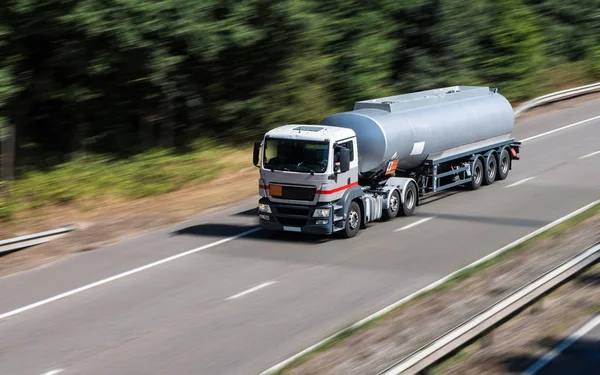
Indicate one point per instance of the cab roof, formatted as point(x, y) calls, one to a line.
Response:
point(311, 132)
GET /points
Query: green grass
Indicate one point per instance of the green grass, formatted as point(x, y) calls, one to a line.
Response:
point(563, 76)
point(460, 356)
point(460, 277)
point(95, 176)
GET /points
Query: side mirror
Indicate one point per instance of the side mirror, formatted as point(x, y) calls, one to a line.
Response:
point(256, 155)
point(344, 160)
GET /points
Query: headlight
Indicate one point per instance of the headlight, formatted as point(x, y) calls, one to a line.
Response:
point(264, 208)
point(321, 212)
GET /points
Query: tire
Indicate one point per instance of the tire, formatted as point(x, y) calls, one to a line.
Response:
point(491, 170)
point(394, 203)
point(410, 200)
point(503, 165)
point(477, 174)
point(352, 225)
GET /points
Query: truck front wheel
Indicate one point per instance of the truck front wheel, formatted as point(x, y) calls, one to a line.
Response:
point(352, 221)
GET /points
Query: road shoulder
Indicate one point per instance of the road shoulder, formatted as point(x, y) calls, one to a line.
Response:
point(377, 345)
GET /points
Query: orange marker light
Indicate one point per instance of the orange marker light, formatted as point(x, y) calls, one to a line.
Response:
point(275, 190)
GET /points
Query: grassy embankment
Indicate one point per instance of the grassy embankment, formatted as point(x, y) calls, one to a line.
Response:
point(95, 180)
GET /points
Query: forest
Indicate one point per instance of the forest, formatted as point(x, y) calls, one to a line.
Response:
point(92, 85)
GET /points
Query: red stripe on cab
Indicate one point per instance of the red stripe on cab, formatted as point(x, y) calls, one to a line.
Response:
point(341, 188)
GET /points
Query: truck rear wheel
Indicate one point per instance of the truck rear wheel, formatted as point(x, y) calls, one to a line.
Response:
point(410, 200)
point(477, 174)
point(393, 206)
point(491, 170)
point(353, 221)
point(503, 164)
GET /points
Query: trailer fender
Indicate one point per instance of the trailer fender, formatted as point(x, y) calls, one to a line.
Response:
point(473, 160)
point(487, 156)
point(400, 183)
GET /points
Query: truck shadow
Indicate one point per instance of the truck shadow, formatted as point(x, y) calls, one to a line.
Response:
point(590, 279)
point(230, 230)
point(501, 221)
point(438, 196)
point(253, 212)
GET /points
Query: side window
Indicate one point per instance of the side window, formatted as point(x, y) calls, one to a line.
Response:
point(270, 150)
point(350, 146)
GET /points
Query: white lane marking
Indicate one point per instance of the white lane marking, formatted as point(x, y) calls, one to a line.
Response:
point(589, 155)
point(54, 372)
point(429, 287)
point(560, 129)
point(563, 346)
point(254, 289)
point(414, 224)
point(520, 182)
point(124, 274)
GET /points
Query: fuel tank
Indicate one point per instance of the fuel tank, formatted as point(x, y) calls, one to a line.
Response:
point(412, 126)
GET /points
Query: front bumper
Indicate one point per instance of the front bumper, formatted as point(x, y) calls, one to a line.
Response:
point(295, 218)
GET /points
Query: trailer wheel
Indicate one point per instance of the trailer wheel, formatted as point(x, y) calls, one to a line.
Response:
point(353, 221)
point(491, 170)
point(503, 165)
point(410, 200)
point(393, 206)
point(477, 175)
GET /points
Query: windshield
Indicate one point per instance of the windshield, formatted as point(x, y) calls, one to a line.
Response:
point(296, 156)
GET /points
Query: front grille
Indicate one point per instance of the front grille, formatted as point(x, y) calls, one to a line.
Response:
point(287, 210)
point(288, 221)
point(298, 193)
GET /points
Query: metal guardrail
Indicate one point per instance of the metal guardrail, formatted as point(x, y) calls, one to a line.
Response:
point(18, 243)
point(433, 353)
point(556, 96)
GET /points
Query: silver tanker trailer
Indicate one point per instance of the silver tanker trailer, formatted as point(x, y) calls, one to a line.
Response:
point(378, 160)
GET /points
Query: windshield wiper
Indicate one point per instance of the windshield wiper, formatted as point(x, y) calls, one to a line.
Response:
point(312, 172)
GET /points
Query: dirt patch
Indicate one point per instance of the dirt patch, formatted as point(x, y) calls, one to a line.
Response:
point(107, 222)
point(520, 342)
point(378, 345)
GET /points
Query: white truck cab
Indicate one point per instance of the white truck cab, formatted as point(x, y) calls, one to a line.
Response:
point(304, 171)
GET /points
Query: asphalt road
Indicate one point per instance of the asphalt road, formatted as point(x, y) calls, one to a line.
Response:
point(582, 356)
point(199, 314)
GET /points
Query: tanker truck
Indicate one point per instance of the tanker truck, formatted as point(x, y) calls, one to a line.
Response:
point(381, 159)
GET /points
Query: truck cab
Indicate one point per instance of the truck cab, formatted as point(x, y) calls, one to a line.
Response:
point(307, 173)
